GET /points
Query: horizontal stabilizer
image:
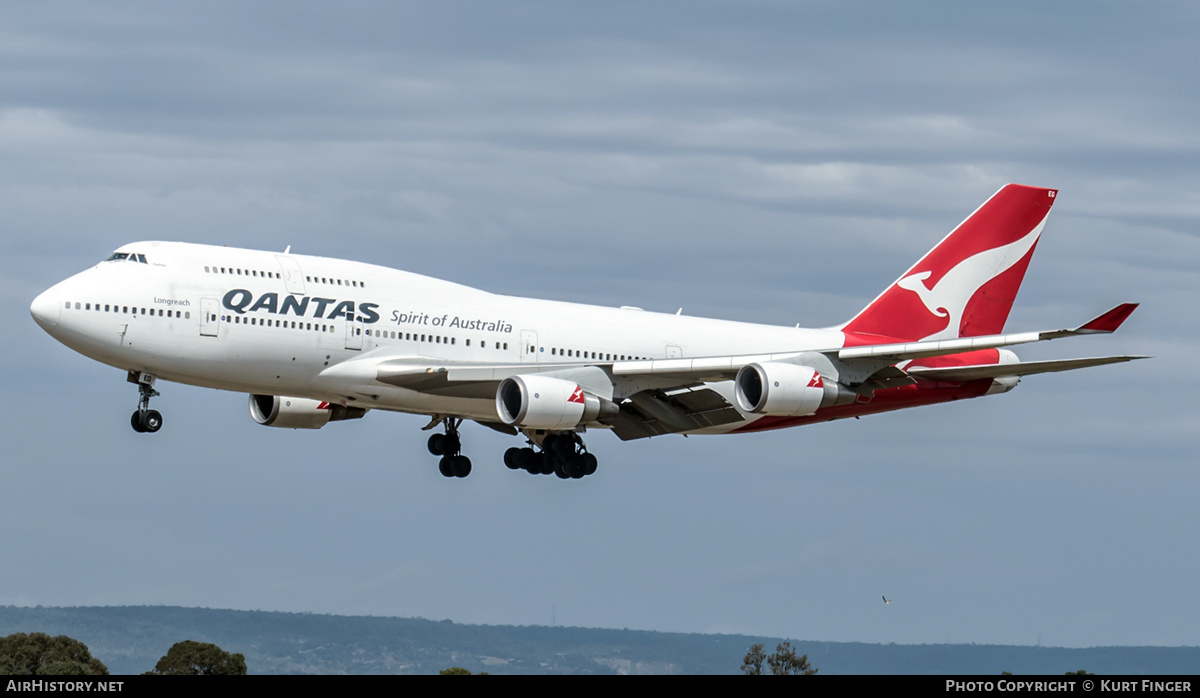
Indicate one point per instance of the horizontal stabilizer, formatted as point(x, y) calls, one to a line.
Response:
point(1106, 323)
point(1027, 368)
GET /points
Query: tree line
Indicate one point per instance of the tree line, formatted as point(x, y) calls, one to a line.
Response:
point(38, 654)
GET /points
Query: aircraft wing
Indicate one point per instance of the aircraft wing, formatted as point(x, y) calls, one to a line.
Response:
point(671, 395)
point(1024, 368)
point(865, 360)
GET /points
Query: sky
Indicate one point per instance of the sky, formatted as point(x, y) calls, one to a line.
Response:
point(769, 162)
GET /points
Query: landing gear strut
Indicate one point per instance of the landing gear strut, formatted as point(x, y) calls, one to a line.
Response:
point(563, 454)
point(449, 447)
point(145, 420)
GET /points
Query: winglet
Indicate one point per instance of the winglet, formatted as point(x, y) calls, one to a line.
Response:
point(1104, 324)
point(1108, 322)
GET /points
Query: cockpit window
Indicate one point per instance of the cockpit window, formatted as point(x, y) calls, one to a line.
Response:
point(127, 257)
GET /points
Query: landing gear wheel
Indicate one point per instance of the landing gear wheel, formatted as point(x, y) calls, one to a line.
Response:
point(136, 422)
point(454, 466)
point(512, 458)
point(575, 467)
point(437, 444)
point(563, 446)
point(534, 461)
point(151, 421)
point(460, 466)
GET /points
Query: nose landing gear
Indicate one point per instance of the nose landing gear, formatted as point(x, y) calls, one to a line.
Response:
point(145, 420)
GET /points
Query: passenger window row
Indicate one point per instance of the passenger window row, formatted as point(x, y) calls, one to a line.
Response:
point(413, 337)
point(276, 275)
point(242, 272)
point(128, 310)
point(338, 282)
point(380, 334)
point(271, 322)
point(597, 355)
point(436, 339)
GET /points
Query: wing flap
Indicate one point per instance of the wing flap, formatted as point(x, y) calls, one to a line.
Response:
point(657, 412)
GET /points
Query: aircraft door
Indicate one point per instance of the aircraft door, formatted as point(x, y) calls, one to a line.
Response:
point(354, 332)
point(291, 274)
point(210, 317)
point(529, 347)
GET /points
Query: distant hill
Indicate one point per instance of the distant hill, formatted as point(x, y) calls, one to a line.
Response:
point(130, 639)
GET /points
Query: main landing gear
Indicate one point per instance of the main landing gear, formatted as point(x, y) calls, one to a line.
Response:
point(145, 420)
point(449, 447)
point(563, 454)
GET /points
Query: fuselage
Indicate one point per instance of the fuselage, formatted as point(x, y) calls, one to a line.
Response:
point(285, 324)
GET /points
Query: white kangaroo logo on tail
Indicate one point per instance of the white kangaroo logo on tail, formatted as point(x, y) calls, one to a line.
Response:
point(950, 295)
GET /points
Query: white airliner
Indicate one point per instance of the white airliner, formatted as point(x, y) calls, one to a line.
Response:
point(314, 340)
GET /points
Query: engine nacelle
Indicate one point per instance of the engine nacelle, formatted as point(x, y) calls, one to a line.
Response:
point(298, 412)
point(542, 402)
point(779, 389)
point(1003, 384)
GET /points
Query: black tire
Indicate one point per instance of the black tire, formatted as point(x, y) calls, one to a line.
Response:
point(435, 444)
point(534, 462)
point(444, 467)
point(512, 458)
point(564, 446)
point(461, 465)
point(576, 467)
point(151, 421)
point(589, 464)
point(451, 445)
point(136, 422)
point(562, 469)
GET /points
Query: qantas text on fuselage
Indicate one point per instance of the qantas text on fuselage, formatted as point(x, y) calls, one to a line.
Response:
point(314, 340)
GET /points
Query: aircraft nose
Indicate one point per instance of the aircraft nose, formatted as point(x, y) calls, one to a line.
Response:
point(46, 308)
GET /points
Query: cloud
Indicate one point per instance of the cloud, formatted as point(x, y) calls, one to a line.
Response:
point(759, 161)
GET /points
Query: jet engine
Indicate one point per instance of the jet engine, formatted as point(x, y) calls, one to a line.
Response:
point(542, 402)
point(298, 412)
point(779, 389)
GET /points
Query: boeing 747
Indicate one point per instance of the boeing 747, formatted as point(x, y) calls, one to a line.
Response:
point(315, 340)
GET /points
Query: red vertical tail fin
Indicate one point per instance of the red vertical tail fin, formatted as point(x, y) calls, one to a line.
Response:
point(966, 285)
